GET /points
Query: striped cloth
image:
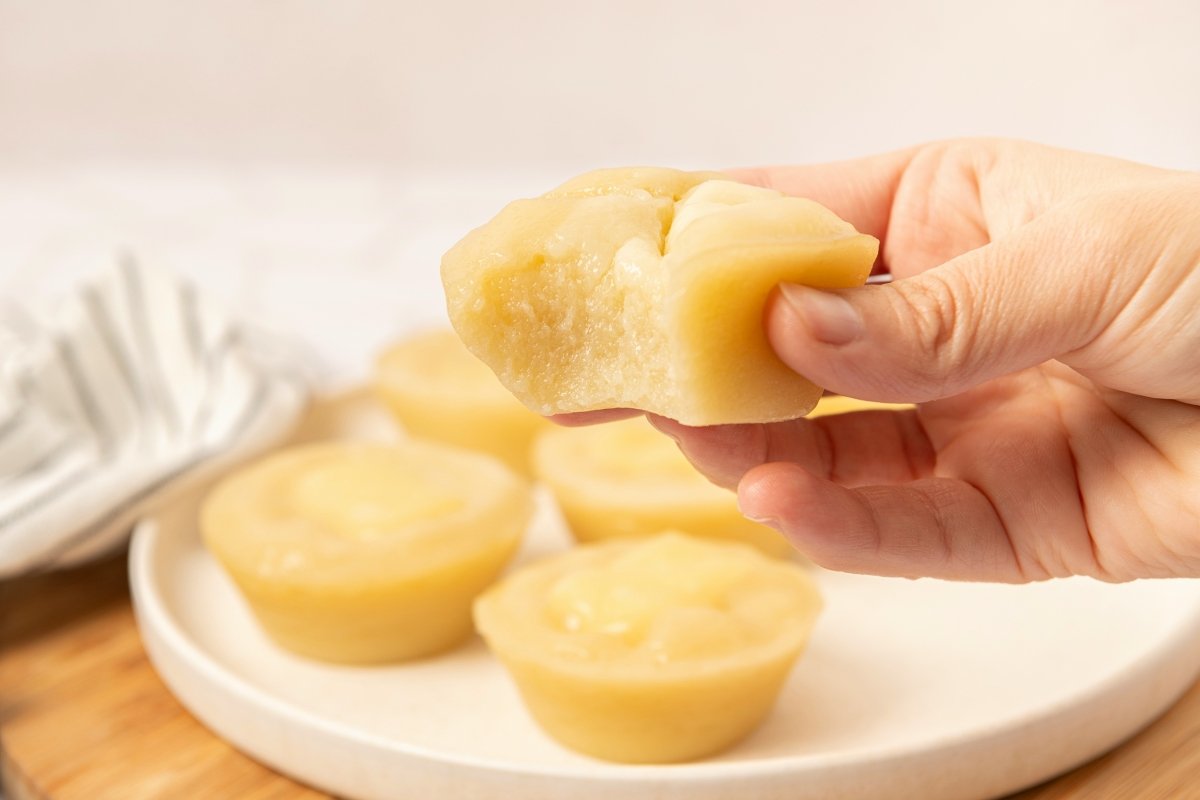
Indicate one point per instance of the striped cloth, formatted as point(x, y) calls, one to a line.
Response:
point(135, 387)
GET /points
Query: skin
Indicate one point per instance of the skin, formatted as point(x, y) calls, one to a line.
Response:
point(1045, 318)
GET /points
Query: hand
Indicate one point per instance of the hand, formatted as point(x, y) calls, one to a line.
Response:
point(1046, 318)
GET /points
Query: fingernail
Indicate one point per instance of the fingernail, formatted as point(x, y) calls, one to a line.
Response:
point(663, 426)
point(761, 519)
point(770, 522)
point(832, 319)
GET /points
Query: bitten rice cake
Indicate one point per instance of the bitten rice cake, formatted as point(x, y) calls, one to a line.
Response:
point(644, 288)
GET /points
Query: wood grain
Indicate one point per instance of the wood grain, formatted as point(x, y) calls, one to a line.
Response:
point(83, 716)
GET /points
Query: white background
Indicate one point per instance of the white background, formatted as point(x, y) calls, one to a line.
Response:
point(309, 161)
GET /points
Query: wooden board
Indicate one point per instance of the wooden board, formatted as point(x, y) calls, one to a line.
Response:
point(82, 713)
point(84, 717)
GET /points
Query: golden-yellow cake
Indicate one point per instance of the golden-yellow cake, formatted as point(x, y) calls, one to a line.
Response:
point(652, 650)
point(626, 479)
point(644, 288)
point(366, 553)
point(832, 404)
point(438, 390)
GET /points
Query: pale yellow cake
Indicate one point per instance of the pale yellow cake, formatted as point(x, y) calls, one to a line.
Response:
point(837, 404)
point(655, 650)
point(645, 288)
point(438, 390)
point(366, 553)
point(625, 479)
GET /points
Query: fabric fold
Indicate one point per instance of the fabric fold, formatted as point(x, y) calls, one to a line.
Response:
point(134, 387)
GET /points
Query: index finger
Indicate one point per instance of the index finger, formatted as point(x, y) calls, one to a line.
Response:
point(579, 419)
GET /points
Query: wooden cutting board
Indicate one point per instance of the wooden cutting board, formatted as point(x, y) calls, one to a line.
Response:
point(83, 716)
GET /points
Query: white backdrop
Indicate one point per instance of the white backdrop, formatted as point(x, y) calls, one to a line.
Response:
point(479, 84)
point(309, 160)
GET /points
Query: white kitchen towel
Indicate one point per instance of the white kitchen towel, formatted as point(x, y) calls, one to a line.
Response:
point(135, 387)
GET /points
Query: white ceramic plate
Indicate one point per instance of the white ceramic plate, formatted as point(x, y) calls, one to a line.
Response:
point(909, 689)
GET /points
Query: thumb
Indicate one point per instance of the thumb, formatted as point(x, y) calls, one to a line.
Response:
point(1001, 308)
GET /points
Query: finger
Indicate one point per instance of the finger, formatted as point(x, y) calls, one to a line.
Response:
point(859, 191)
point(579, 419)
point(939, 527)
point(996, 310)
point(852, 449)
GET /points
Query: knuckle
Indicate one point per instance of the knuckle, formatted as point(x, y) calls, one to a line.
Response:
point(934, 307)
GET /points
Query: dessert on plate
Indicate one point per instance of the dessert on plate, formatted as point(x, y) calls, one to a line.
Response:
point(655, 650)
point(438, 390)
point(623, 479)
point(366, 553)
point(832, 404)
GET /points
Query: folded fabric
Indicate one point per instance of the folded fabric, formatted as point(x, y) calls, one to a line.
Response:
point(135, 387)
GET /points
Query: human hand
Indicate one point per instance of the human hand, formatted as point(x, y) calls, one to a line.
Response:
point(1046, 318)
